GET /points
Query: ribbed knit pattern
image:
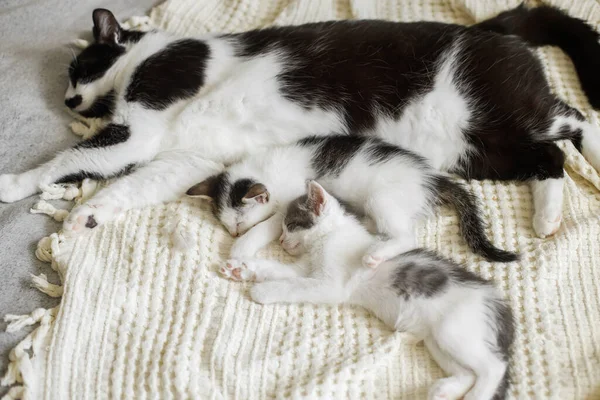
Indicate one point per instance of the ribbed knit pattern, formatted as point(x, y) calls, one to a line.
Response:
point(139, 319)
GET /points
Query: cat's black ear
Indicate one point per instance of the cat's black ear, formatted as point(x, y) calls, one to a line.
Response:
point(317, 197)
point(106, 27)
point(206, 189)
point(257, 193)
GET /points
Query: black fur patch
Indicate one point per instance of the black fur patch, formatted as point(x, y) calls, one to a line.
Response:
point(93, 62)
point(73, 101)
point(238, 191)
point(177, 72)
point(219, 186)
point(549, 26)
point(414, 280)
point(298, 216)
point(110, 135)
point(130, 36)
point(102, 107)
point(381, 151)
point(363, 68)
point(81, 175)
point(333, 152)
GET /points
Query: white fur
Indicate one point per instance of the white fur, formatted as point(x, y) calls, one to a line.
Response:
point(455, 324)
point(547, 202)
point(433, 124)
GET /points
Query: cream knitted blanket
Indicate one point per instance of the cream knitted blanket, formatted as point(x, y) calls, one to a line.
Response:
point(140, 319)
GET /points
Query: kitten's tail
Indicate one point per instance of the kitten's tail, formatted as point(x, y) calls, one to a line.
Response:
point(471, 225)
point(549, 26)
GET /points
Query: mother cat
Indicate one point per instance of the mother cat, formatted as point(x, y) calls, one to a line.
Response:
point(472, 100)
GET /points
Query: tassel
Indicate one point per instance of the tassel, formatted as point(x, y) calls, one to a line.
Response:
point(52, 192)
point(43, 207)
point(81, 43)
point(18, 322)
point(47, 247)
point(15, 392)
point(41, 283)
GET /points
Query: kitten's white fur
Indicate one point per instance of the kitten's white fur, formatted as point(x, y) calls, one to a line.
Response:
point(456, 325)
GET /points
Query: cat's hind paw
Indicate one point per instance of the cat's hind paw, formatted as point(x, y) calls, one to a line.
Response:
point(88, 216)
point(15, 187)
point(237, 270)
point(451, 388)
point(544, 227)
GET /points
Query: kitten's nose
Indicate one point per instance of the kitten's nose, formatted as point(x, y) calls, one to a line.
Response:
point(73, 101)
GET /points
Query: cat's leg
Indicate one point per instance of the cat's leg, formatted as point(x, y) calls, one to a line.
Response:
point(257, 237)
point(166, 178)
point(298, 290)
point(463, 337)
point(459, 381)
point(261, 270)
point(392, 222)
point(113, 151)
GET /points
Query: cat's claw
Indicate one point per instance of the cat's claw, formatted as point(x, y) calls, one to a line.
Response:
point(88, 216)
point(544, 227)
point(237, 270)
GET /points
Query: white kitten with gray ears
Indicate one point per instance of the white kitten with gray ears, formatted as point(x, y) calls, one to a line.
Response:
point(465, 323)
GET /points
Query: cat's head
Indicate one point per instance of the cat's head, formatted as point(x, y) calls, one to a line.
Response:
point(239, 204)
point(90, 92)
point(308, 217)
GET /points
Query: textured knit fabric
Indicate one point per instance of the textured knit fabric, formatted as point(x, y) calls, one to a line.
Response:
point(140, 319)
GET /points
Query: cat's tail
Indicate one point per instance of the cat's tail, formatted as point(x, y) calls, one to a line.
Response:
point(550, 26)
point(471, 225)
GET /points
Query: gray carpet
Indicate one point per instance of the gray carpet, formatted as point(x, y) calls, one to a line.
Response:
point(34, 55)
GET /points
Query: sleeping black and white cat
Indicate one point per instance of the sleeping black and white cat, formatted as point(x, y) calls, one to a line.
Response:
point(392, 186)
point(466, 324)
point(468, 99)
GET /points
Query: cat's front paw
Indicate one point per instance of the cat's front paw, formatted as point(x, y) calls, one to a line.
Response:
point(13, 188)
point(88, 216)
point(265, 293)
point(545, 226)
point(238, 270)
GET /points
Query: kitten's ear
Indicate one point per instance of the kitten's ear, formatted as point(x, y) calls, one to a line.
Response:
point(257, 193)
point(106, 27)
point(205, 189)
point(317, 197)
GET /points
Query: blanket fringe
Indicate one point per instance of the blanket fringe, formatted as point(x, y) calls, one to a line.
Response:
point(43, 207)
point(15, 392)
point(40, 282)
point(20, 368)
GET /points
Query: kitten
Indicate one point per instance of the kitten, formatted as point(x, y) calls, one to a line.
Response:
point(466, 324)
point(471, 100)
point(392, 186)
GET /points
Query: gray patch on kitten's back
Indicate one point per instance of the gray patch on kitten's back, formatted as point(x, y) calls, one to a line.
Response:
point(424, 273)
point(412, 279)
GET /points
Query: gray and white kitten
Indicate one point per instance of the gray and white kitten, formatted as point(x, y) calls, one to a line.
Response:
point(392, 186)
point(466, 324)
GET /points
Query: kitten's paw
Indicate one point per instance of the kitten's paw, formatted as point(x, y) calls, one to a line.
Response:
point(452, 388)
point(371, 261)
point(264, 293)
point(545, 226)
point(13, 189)
point(88, 216)
point(238, 270)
